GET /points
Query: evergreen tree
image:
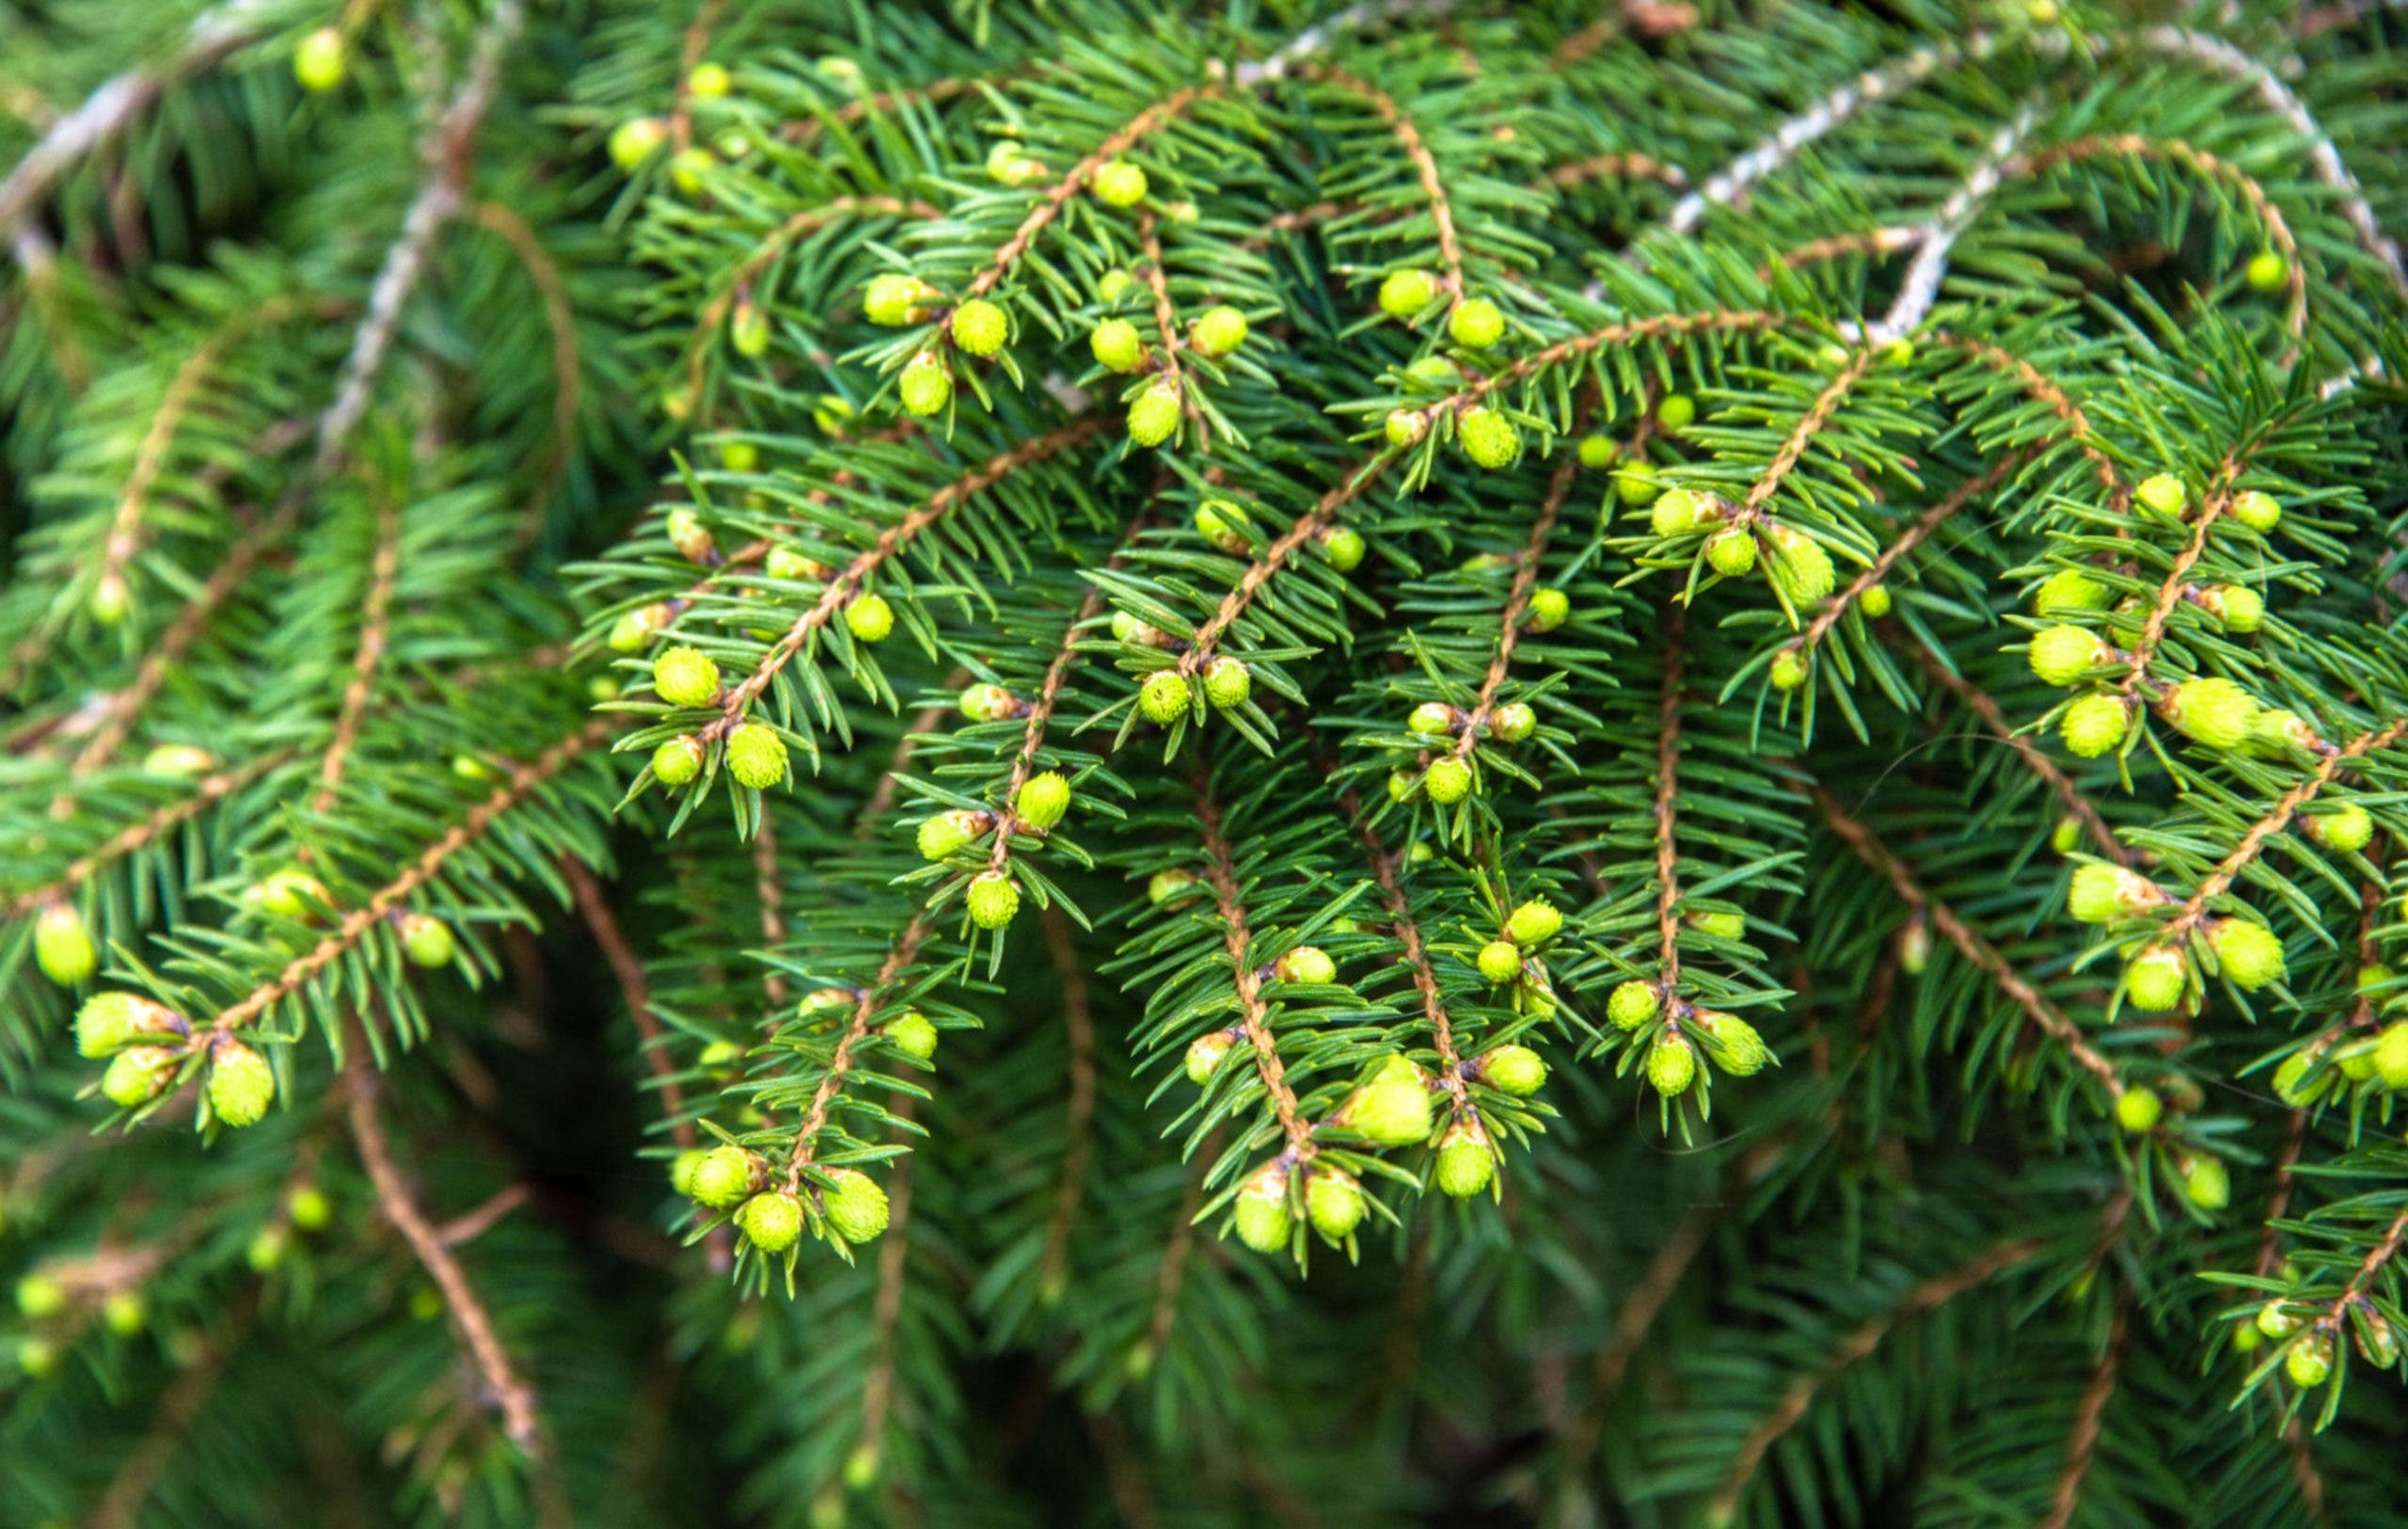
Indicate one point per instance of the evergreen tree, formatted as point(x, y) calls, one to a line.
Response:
point(1039, 762)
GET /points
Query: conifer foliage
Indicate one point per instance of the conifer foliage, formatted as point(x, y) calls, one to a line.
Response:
point(1036, 761)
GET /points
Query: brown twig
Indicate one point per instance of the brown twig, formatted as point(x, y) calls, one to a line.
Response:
point(133, 837)
point(1425, 166)
point(2081, 1445)
point(469, 1225)
point(384, 567)
point(515, 1395)
point(522, 782)
point(1167, 322)
point(1883, 240)
point(1665, 812)
point(1920, 1301)
point(691, 49)
point(2043, 1014)
point(1908, 539)
point(1993, 717)
point(2254, 842)
point(1221, 871)
point(891, 541)
point(1417, 959)
point(748, 269)
point(1622, 166)
point(1266, 568)
point(1793, 447)
point(118, 711)
point(840, 1063)
point(1517, 600)
point(2170, 593)
point(2060, 403)
point(1050, 206)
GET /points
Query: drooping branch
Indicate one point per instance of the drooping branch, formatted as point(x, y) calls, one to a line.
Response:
point(595, 908)
point(568, 377)
point(1993, 717)
point(1221, 873)
point(165, 820)
point(2081, 1443)
point(1920, 1301)
point(1079, 1109)
point(1425, 168)
point(1666, 811)
point(1917, 530)
point(1517, 599)
point(1921, 288)
point(2038, 1010)
point(840, 1062)
point(385, 567)
point(512, 1394)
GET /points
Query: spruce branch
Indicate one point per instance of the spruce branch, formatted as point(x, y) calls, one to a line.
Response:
point(899, 957)
point(568, 374)
point(1919, 1302)
point(1425, 168)
point(746, 272)
point(1078, 1022)
point(1665, 814)
point(2060, 403)
point(593, 907)
point(2081, 1442)
point(1920, 289)
point(1917, 530)
point(522, 782)
point(2042, 1014)
point(1417, 958)
point(1220, 872)
point(1993, 717)
point(384, 567)
point(134, 837)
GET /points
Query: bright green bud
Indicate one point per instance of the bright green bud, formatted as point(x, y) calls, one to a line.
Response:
point(756, 756)
point(2103, 894)
point(1112, 283)
point(989, 702)
point(2267, 271)
point(2276, 1320)
point(2212, 711)
point(1343, 547)
point(1224, 523)
point(1500, 960)
point(1874, 601)
point(1533, 923)
point(2256, 509)
point(2138, 1110)
point(2239, 608)
point(289, 893)
point(2063, 655)
point(993, 900)
point(63, 948)
point(110, 1022)
point(1403, 294)
point(2162, 495)
point(2249, 954)
point(980, 327)
point(926, 384)
point(723, 1177)
point(1041, 799)
point(2095, 724)
point(1799, 565)
point(1205, 1054)
point(2291, 1083)
point(1264, 1222)
point(678, 760)
point(2209, 1184)
point(1671, 1066)
point(2391, 1056)
point(1217, 331)
point(1117, 346)
point(1548, 609)
point(179, 759)
point(1475, 324)
point(1406, 426)
point(1164, 696)
point(2071, 592)
point(685, 677)
point(1488, 438)
point(1307, 964)
point(682, 1169)
point(136, 1075)
point(318, 64)
point(37, 1358)
point(1515, 1070)
point(1731, 552)
point(707, 81)
point(1732, 1042)
point(1597, 452)
point(1432, 719)
point(636, 140)
point(1676, 413)
point(771, 1221)
point(1720, 926)
point(869, 618)
point(2067, 833)
point(2156, 978)
point(1164, 885)
point(1512, 722)
point(1120, 184)
point(894, 300)
point(1154, 417)
point(240, 1084)
point(1332, 1202)
point(1390, 1112)
point(125, 1313)
point(2309, 1362)
point(40, 1297)
point(1467, 1163)
point(426, 940)
point(1633, 1004)
point(1676, 512)
point(689, 169)
point(1788, 670)
point(2347, 830)
point(1448, 780)
point(630, 632)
